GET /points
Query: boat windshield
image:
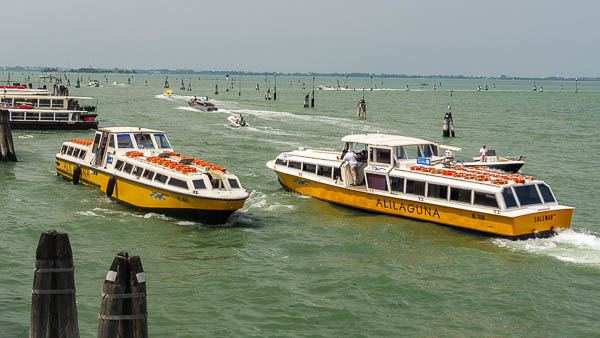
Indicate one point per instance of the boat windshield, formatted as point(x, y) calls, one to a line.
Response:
point(144, 141)
point(124, 141)
point(161, 141)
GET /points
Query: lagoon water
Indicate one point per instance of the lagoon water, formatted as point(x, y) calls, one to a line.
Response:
point(287, 265)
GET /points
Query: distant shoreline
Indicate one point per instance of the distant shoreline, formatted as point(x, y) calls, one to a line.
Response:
point(233, 73)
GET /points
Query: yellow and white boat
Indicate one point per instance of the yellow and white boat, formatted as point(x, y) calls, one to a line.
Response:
point(168, 93)
point(405, 176)
point(138, 166)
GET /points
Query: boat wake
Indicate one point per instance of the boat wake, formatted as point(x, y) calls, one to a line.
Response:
point(567, 245)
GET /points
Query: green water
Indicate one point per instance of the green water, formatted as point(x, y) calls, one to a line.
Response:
point(286, 265)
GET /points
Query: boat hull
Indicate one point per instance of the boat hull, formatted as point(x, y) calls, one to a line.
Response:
point(37, 125)
point(508, 166)
point(540, 224)
point(202, 108)
point(154, 199)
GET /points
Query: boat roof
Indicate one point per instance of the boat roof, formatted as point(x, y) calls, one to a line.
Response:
point(130, 130)
point(385, 140)
point(33, 96)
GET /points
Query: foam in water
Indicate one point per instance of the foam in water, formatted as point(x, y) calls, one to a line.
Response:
point(89, 213)
point(567, 245)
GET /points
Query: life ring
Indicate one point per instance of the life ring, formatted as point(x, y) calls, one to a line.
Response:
point(76, 174)
point(110, 186)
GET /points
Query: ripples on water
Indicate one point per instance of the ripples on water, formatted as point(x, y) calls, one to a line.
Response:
point(290, 265)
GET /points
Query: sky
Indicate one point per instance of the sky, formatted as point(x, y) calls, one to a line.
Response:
point(467, 37)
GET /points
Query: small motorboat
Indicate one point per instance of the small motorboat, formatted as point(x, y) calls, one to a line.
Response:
point(168, 93)
point(94, 83)
point(509, 164)
point(202, 104)
point(236, 123)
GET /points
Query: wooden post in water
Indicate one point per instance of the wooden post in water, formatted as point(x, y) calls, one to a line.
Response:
point(123, 311)
point(7, 148)
point(53, 308)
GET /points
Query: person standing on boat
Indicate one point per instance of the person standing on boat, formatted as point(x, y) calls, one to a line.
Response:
point(483, 153)
point(350, 157)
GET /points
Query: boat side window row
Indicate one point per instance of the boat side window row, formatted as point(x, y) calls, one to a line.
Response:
point(432, 190)
point(150, 175)
point(39, 103)
point(316, 169)
point(73, 151)
point(37, 116)
point(414, 151)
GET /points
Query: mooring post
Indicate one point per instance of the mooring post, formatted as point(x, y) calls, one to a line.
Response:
point(123, 307)
point(7, 148)
point(53, 307)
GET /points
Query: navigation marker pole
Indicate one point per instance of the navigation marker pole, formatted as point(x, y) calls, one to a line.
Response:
point(312, 101)
point(275, 89)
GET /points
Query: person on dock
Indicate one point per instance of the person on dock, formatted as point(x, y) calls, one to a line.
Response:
point(350, 158)
point(483, 153)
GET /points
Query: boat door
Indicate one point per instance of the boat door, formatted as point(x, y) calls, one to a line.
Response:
point(99, 148)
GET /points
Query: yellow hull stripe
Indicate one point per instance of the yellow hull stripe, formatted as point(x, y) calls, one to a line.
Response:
point(487, 222)
point(142, 195)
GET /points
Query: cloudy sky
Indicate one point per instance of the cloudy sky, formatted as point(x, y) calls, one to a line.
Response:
point(512, 37)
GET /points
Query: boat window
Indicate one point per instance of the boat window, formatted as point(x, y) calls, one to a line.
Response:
point(178, 183)
point(111, 141)
point(311, 168)
point(460, 195)
point(527, 195)
point(376, 181)
point(44, 103)
point(412, 152)
point(82, 154)
point(47, 116)
point(295, 165)
point(70, 151)
point(128, 167)
point(233, 183)
point(199, 184)
point(124, 141)
point(546, 193)
point(215, 183)
point(485, 199)
point(17, 115)
point(415, 187)
point(324, 171)
point(76, 152)
point(58, 103)
point(161, 178)
point(371, 158)
point(62, 116)
point(63, 149)
point(434, 150)
point(144, 141)
point(383, 155)
point(337, 173)
point(426, 150)
point(161, 141)
point(400, 153)
point(31, 116)
point(138, 171)
point(437, 191)
point(119, 165)
point(281, 162)
point(509, 198)
point(148, 174)
point(397, 184)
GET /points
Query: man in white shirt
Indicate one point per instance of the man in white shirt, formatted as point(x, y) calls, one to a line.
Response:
point(483, 153)
point(350, 157)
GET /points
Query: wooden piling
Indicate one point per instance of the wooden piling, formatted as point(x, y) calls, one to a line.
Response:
point(7, 148)
point(53, 307)
point(123, 307)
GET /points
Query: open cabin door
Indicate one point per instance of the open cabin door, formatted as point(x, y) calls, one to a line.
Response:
point(99, 148)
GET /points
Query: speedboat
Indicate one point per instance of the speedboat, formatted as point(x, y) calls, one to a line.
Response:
point(139, 167)
point(236, 123)
point(406, 177)
point(202, 104)
point(94, 83)
point(168, 93)
point(510, 164)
